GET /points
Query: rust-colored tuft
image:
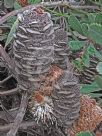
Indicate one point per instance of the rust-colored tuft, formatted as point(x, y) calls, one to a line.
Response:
point(55, 72)
point(98, 133)
point(90, 116)
point(38, 97)
point(39, 10)
point(46, 86)
point(23, 3)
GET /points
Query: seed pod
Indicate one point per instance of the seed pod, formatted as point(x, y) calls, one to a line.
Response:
point(66, 99)
point(61, 50)
point(33, 48)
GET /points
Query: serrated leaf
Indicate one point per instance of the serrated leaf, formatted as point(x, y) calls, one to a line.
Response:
point(98, 18)
point(76, 45)
point(91, 50)
point(9, 3)
point(85, 28)
point(84, 134)
point(89, 88)
point(33, 1)
point(99, 68)
point(98, 55)
point(3, 37)
point(77, 64)
point(11, 20)
point(91, 18)
point(98, 80)
point(85, 58)
point(95, 33)
point(100, 1)
point(12, 31)
point(96, 95)
point(75, 24)
point(17, 5)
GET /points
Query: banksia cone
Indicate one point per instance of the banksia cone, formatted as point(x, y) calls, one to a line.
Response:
point(61, 50)
point(89, 73)
point(55, 92)
point(90, 116)
point(33, 47)
point(66, 99)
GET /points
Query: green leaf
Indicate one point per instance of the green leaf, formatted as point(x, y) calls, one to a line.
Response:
point(9, 3)
point(17, 5)
point(12, 31)
point(91, 50)
point(95, 33)
point(91, 18)
point(98, 80)
point(85, 58)
point(3, 37)
point(75, 24)
point(84, 134)
point(98, 55)
point(76, 45)
point(99, 68)
point(85, 28)
point(89, 88)
point(96, 95)
point(11, 20)
point(98, 18)
point(100, 2)
point(34, 1)
point(77, 64)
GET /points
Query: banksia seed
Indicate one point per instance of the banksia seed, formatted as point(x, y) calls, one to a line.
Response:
point(66, 99)
point(61, 50)
point(33, 47)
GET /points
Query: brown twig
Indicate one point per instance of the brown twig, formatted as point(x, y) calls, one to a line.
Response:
point(46, 4)
point(12, 113)
point(7, 59)
point(9, 92)
point(23, 125)
point(21, 112)
point(6, 79)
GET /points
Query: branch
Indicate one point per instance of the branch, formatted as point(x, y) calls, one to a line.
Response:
point(7, 59)
point(23, 125)
point(5, 80)
point(21, 112)
point(12, 113)
point(46, 4)
point(9, 92)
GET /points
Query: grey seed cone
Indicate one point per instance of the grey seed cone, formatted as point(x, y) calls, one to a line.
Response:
point(61, 49)
point(88, 75)
point(33, 48)
point(66, 99)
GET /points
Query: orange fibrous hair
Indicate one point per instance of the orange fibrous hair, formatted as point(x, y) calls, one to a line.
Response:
point(23, 3)
point(47, 87)
point(38, 97)
point(55, 72)
point(90, 116)
point(39, 10)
